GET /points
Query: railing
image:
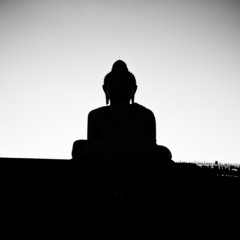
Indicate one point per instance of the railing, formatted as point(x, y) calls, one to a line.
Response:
point(219, 169)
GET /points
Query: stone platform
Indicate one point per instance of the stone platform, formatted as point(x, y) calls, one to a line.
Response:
point(36, 191)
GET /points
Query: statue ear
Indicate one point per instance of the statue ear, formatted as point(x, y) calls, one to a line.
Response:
point(132, 99)
point(107, 97)
point(133, 95)
point(107, 100)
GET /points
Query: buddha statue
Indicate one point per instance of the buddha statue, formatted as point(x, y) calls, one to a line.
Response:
point(122, 126)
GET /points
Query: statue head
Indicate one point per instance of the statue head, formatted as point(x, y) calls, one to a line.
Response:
point(120, 84)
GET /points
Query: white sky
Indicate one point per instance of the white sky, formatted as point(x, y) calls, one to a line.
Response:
point(185, 56)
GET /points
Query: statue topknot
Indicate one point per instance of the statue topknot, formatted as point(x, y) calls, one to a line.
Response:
point(120, 69)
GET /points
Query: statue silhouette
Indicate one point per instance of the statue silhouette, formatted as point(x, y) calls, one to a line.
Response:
point(124, 126)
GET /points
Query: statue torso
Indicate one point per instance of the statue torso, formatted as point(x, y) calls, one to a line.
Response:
point(121, 125)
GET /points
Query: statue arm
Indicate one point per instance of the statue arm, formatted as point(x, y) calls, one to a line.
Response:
point(92, 128)
point(151, 129)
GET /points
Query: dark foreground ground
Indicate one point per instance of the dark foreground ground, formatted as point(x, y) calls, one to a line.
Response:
point(41, 190)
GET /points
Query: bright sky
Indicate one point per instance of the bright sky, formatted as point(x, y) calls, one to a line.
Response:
point(185, 56)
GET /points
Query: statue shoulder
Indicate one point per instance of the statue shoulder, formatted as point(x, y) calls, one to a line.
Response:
point(98, 111)
point(142, 109)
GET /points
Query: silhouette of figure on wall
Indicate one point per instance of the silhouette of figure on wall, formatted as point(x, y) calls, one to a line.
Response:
point(124, 126)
